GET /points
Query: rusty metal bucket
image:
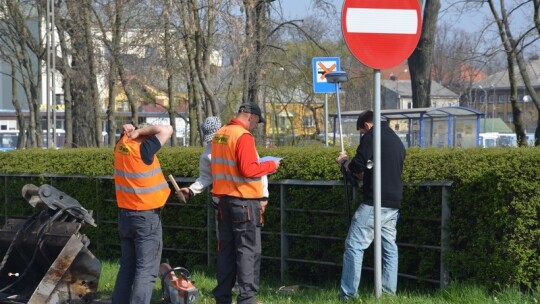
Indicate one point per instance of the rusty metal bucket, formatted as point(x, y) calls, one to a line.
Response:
point(45, 259)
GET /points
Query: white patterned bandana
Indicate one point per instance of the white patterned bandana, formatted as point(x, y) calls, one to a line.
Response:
point(209, 127)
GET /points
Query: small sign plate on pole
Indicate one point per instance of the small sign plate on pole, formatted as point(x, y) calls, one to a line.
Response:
point(322, 66)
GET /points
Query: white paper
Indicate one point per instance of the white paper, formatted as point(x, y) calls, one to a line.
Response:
point(269, 158)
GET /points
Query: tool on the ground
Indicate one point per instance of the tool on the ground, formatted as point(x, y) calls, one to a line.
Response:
point(177, 190)
point(286, 290)
point(177, 286)
point(45, 258)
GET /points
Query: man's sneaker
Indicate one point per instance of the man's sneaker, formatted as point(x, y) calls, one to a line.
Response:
point(344, 298)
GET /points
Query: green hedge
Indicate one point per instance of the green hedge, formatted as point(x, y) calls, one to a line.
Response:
point(495, 205)
point(494, 202)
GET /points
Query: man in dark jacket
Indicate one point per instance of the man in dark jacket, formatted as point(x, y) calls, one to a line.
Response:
point(361, 231)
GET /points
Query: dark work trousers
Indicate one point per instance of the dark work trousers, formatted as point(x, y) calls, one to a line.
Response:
point(239, 250)
point(141, 242)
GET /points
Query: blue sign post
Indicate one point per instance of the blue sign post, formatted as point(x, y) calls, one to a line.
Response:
point(321, 66)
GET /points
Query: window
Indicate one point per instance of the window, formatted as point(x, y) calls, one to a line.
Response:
point(60, 124)
point(59, 99)
point(520, 98)
point(510, 117)
point(490, 98)
point(502, 98)
point(122, 106)
point(9, 124)
point(150, 51)
point(284, 123)
point(308, 121)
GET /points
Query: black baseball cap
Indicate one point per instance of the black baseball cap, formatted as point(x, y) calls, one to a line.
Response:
point(252, 108)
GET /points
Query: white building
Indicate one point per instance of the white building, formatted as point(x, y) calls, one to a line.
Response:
point(397, 94)
point(133, 46)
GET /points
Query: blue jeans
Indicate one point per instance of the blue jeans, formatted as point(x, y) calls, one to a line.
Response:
point(141, 243)
point(360, 236)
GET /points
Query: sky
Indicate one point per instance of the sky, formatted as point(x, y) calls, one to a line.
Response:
point(470, 19)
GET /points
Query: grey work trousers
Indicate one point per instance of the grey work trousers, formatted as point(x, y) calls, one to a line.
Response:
point(141, 242)
point(239, 250)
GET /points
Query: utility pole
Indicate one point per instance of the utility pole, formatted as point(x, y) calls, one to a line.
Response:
point(50, 71)
point(485, 105)
point(493, 108)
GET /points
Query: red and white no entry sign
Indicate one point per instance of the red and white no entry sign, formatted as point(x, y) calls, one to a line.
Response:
point(381, 34)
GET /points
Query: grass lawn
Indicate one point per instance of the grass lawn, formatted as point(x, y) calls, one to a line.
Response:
point(269, 294)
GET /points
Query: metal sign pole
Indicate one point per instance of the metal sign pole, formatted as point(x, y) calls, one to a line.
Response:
point(325, 120)
point(377, 179)
point(48, 73)
point(53, 73)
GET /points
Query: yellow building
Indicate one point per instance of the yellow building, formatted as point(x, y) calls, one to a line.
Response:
point(294, 122)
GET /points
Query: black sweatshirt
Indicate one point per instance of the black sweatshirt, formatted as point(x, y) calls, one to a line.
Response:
point(392, 158)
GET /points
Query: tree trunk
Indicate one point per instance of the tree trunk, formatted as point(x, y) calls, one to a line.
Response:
point(169, 66)
point(23, 47)
point(21, 142)
point(111, 121)
point(516, 110)
point(94, 96)
point(65, 69)
point(114, 47)
point(536, 16)
point(195, 111)
point(256, 32)
point(421, 59)
point(203, 48)
point(86, 120)
point(510, 59)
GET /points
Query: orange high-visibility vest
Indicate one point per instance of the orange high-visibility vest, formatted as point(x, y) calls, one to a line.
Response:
point(138, 186)
point(226, 178)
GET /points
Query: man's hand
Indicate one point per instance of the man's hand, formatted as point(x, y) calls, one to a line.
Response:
point(343, 160)
point(180, 196)
point(277, 164)
point(263, 205)
point(186, 192)
point(130, 131)
point(342, 157)
point(128, 128)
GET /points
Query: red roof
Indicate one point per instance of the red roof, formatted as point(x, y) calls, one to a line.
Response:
point(399, 72)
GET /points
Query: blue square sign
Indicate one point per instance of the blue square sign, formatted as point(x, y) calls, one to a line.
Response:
point(321, 66)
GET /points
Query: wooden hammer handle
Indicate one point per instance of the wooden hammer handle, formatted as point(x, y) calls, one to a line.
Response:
point(178, 193)
point(173, 182)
